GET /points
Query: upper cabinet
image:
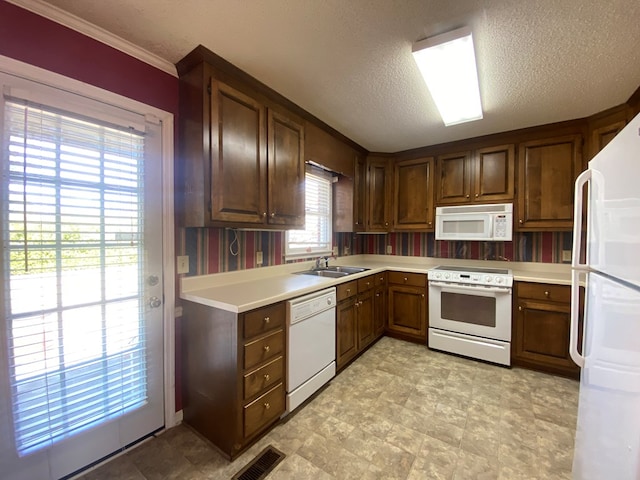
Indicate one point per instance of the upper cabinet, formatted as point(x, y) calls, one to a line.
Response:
point(378, 193)
point(547, 172)
point(413, 195)
point(349, 199)
point(604, 126)
point(485, 175)
point(241, 153)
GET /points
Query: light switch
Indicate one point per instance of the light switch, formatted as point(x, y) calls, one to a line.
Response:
point(183, 264)
point(389, 249)
point(258, 258)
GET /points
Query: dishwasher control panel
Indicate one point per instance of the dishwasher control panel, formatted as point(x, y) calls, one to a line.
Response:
point(303, 307)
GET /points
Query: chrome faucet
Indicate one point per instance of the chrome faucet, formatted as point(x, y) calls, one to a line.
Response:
point(322, 262)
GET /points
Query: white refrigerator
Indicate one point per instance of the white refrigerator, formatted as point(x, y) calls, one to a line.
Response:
point(607, 444)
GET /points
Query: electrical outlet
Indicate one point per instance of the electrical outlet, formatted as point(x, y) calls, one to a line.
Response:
point(258, 258)
point(566, 255)
point(389, 249)
point(335, 251)
point(346, 250)
point(183, 264)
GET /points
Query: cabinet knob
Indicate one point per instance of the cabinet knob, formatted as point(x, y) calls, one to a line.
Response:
point(267, 320)
point(377, 294)
point(477, 195)
point(386, 224)
point(273, 214)
point(382, 279)
point(430, 223)
point(348, 291)
point(264, 214)
point(357, 223)
point(267, 377)
point(357, 304)
point(520, 222)
point(267, 406)
point(267, 348)
point(406, 279)
point(467, 196)
point(546, 294)
point(368, 284)
point(423, 295)
point(520, 307)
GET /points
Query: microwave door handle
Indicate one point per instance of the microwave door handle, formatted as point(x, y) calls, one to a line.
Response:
point(452, 288)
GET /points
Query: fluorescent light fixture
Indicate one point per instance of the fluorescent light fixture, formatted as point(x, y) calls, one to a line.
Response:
point(448, 64)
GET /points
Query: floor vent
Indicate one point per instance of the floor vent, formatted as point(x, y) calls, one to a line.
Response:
point(260, 466)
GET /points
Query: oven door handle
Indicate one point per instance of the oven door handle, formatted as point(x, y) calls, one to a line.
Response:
point(480, 289)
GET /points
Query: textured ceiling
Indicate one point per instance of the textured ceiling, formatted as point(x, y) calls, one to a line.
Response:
point(349, 62)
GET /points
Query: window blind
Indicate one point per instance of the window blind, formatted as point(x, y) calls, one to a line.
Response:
point(317, 233)
point(72, 217)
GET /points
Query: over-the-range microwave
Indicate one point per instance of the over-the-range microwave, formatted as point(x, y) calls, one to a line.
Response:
point(491, 222)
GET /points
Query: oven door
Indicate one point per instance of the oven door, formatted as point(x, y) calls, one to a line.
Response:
point(471, 309)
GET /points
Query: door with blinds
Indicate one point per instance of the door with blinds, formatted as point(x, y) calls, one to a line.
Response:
point(81, 332)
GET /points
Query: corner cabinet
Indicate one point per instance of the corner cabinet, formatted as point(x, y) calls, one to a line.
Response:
point(484, 175)
point(241, 155)
point(541, 327)
point(233, 373)
point(547, 172)
point(379, 190)
point(413, 195)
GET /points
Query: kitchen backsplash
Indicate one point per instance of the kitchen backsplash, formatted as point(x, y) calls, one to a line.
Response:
point(213, 250)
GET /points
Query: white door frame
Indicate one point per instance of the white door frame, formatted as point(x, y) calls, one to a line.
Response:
point(40, 75)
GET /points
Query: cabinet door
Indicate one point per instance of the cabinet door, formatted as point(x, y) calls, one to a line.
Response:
point(365, 319)
point(547, 171)
point(379, 311)
point(407, 311)
point(359, 195)
point(453, 178)
point(600, 137)
point(238, 156)
point(346, 328)
point(494, 175)
point(378, 195)
point(413, 194)
point(285, 171)
point(542, 334)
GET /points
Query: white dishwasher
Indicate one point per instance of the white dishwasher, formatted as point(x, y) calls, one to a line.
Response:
point(311, 345)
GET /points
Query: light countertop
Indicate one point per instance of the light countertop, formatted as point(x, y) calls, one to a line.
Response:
point(246, 290)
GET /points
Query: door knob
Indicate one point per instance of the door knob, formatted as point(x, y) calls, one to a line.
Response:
point(155, 302)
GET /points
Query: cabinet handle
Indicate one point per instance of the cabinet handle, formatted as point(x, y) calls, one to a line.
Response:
point(377, 294)
point(476, 195)
point(273, 214)
point(423, 295)
point(267, 377)
point(267, 348)
point(382, 279)
point(361, 302)
point(520, 307)
point(386, 224)
point(406, 279)
point(546, 293)
point(267, 320)
point(267, 406)
point(368, 284)
point(357, 304)
point(357, 223)
point(264, 214)
point(467, 196)
point(430, 223)
point(520, 222)
point(348, 291)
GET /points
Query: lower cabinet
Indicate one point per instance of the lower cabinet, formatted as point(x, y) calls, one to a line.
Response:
point(541, 327)
point(356, 327)
point(233, 373)
point(408, 306)
point(380, 312)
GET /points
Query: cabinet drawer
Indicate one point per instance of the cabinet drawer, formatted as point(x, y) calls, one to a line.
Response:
point(413, 279)
point(366, 283)
point(346, 290)
point(544, 291)
point(263, 410)
point(381, 279)
point(264, 319)
point(263, 378)
point(263, 349)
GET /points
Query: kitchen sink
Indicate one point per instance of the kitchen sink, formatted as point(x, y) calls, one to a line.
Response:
point(333, 272)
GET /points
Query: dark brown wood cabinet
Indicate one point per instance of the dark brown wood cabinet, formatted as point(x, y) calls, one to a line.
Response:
point(380, 311)
point(355, 318)
point(485, 175)
point(413, 195)
point(349, 199)
point(407, 306)
point(541, 327)
point(546, 175)
point(378, 195)
point(604, 126)
point(242, 155)
point(233, 373)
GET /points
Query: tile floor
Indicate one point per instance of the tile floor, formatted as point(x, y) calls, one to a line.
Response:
point(400, 411)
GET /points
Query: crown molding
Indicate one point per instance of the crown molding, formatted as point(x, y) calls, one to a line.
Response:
point(73, 22)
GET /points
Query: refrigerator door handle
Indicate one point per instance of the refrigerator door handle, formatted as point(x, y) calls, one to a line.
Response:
point(574, 336)
point(581, 181)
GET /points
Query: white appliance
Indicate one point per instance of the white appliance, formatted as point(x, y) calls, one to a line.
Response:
point(492, 222)
point(607, 441)
point(311, 345)
point(470, 312)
